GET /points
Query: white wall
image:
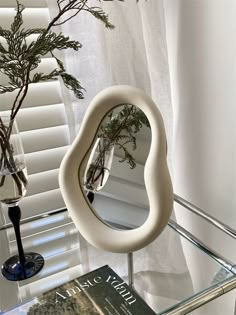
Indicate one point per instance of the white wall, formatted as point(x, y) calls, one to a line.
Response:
point(201, 36)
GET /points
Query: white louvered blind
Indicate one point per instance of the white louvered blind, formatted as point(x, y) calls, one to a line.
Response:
point(42, 121)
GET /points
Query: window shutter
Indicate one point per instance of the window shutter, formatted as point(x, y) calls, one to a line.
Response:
point(41, 121)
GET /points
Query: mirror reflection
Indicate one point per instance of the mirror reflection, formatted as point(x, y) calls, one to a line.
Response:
point(113, 179)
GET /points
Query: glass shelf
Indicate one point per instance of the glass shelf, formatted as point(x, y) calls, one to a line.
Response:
point(165, 283)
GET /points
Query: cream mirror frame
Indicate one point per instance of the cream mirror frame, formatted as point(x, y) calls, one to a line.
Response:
point(156, 175)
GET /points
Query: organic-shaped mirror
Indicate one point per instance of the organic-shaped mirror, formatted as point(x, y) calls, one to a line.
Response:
point(114, 173)
point(81, 168)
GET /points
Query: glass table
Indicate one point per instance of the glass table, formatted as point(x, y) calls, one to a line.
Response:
point(168, 290)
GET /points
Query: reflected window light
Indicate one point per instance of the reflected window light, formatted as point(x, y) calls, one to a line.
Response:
point(49, 238)
point(54, 269)
point(47, 221)
point(54, 252)
point(74, 230)
point(53, 284)
point(75, 245)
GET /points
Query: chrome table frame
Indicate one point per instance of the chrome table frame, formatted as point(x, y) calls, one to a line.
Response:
point(212, 293)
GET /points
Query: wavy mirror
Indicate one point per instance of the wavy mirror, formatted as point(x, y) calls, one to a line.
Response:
point(101, 165)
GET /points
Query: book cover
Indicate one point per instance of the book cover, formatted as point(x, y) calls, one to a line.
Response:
point(99, 292)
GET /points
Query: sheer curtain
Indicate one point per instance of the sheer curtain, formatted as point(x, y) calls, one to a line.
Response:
point(202, 66)
point(135, 53)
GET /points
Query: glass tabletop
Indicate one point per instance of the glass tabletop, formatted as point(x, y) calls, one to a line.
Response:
point(164, 283)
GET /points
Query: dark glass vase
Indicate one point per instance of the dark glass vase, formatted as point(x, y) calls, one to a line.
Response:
point(13, 185)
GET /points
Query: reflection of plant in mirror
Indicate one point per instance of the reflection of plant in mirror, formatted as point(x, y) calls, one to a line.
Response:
point(122, 128)
point(118, 129)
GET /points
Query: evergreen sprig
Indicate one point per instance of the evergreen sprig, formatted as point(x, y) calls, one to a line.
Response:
point(99, 14)
point(19, 57)
point(121, 129)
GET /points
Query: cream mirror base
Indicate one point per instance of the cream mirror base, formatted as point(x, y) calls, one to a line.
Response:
point(156, 175)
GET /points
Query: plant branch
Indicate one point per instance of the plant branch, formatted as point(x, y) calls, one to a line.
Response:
point(18, 58)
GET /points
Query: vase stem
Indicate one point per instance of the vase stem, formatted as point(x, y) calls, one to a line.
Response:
point(14, 214)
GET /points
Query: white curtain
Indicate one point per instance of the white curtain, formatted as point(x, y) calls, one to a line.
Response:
point(135, 53)
point(202, 50)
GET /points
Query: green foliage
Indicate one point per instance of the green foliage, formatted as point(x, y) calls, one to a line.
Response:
point(18, 58)
point(73, 84)
point(99, 14)
point(121, 129)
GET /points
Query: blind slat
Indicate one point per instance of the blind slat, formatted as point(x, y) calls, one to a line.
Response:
point(41, 117)
point(46, 160)
point(41, 203)
point(44, 139)
point(32, 17)
point(39, 94)
point(42, 182)
point(26, 3)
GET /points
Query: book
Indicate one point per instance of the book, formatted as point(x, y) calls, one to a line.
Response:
point(99, 292)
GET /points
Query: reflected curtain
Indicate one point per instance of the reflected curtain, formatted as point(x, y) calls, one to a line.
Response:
point(134, 53)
